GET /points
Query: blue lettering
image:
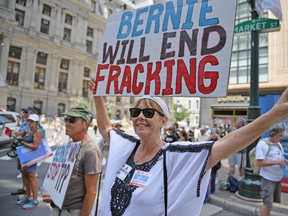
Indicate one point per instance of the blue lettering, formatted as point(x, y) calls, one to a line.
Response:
point(125, 22)
point(174, 16)
point(65, 153)
point(188, 23)
point(205, 8)
point(138, 22)
point(55, 158)
point(154, 17)
point(172, 13)
point(57, 154)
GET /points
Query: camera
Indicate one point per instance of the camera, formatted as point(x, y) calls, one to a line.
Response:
point(14, 144)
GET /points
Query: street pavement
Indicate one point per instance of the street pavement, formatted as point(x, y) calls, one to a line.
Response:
point(222, 203)
point(233, 202)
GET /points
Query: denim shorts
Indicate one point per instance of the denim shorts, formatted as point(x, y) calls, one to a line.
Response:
point(31, 168)
point(270, 192)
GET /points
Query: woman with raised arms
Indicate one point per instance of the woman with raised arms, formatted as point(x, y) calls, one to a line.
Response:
point(146, 176)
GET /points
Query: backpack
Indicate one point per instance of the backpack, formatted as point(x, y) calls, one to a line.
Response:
point(252, 156)
point(233, 184)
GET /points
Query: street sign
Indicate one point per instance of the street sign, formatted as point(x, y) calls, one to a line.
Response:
point(261, 24)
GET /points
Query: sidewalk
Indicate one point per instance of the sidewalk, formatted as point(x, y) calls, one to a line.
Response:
point(231, 201)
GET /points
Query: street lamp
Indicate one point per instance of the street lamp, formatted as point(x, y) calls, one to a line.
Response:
point(249, 187)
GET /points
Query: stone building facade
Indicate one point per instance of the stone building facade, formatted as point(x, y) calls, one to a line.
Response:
point(49, 51)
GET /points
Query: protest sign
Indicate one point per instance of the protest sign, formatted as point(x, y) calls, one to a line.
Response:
point(29, 157)
point(177, 48)
point(59, 173)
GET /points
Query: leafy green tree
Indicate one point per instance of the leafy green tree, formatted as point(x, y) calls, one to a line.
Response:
point(183, 114)
point(84, 101)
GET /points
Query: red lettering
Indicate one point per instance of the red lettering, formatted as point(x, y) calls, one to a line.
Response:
point(169, 65)
point(137, 88)
point(53, 171)
point(213, 76)
point(190, 79)
point(126, 80)
point(130, 80)
point(98, 77)
point(153, 76)
point(113, 77)
point(65, 172)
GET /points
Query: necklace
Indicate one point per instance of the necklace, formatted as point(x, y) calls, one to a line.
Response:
point(146, 154)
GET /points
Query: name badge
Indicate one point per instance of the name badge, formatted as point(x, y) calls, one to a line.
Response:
point(123, 172)
point(140, 178)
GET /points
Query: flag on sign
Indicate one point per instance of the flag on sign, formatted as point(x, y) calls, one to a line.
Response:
point(273, 5)
point(8, 131)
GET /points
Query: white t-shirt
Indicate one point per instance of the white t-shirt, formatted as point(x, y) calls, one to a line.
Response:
point(187, 180)
point(204, 137)
point(273, 172)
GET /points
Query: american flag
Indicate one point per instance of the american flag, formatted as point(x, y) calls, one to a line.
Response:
point(8, 131)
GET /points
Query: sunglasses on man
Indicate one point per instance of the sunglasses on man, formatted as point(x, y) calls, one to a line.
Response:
point(147, 112)
point(70, 119)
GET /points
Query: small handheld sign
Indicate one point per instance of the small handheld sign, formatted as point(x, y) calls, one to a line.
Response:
point(59, 173)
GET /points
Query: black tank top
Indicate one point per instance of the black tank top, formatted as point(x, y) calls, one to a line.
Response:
point(28, 138)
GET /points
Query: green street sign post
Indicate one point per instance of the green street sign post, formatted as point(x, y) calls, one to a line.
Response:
point(260, 24)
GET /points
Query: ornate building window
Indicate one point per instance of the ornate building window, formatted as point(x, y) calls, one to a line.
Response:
point(13, 69)
point(45, 24)
point(87, 72)
point(85, 88)
point(63, 76)
point(90, 32)
point(68, 19)
point(46, 10)
point(62, 83)
point(67, 34)
point(39, 79)
point(61, 108)
point(85, 83)
point(19, 17)
point(41, 58)
point(11, 104)
point(64, 64)
point(15, 52)
point(37, 105)
point(21, 2)
point(88, 46)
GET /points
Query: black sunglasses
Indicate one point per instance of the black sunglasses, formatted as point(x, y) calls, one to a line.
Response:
point(147, 112)
point(70, 119)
